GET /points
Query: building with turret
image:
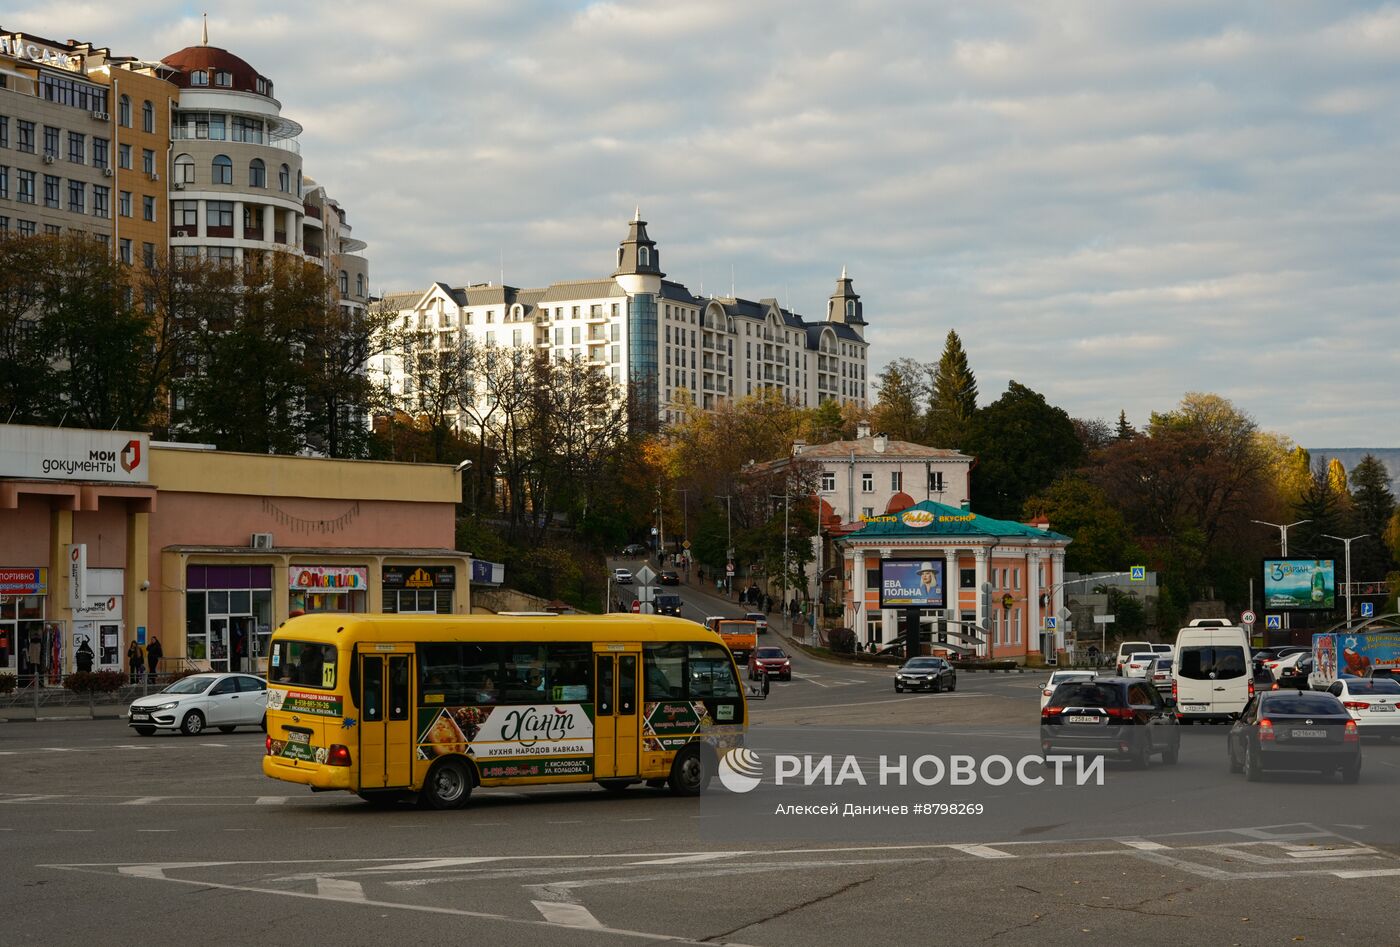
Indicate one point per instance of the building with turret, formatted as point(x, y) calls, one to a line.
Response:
point(666, 347)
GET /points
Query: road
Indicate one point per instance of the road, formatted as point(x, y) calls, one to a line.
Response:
point(111, 838)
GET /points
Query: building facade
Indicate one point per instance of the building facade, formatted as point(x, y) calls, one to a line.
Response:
point(109, 539)
point(1020, 618)
point(666, 347)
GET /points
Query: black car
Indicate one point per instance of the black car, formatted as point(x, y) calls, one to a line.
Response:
point(1116, 716)
point(925, 674)
point(1296, 677)
point(1295, 730)
point(668, 603)
point(667, 577)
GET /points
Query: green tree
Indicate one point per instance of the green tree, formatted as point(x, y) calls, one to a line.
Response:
point(952, 397)
point(1022, 444)
point(1081, 510)
point(1373, 504)
point(1124, 431)
point(1325, 511)
point(897, 412)
point(824, 423)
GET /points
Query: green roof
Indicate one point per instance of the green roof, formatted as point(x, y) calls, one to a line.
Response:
point(942, 520)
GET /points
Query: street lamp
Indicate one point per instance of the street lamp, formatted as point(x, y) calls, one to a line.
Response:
point(1283, 529)
point(1347, 543)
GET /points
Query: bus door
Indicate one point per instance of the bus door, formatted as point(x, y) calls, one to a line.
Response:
point(617, 716)
point(386, 717)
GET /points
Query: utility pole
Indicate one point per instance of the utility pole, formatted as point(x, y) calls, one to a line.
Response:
point(785, 497)
point(1283, 529)
point(660, 527)
point(729, 534)
point(1347, 543)
point(685, 525)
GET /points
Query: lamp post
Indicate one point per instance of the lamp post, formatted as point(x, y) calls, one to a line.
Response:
point(785, 550)
point(1283, 529)
point(728, 532)
point(1347, 544)
point(685, 525)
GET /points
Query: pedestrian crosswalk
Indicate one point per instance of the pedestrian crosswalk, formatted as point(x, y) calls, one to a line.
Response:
point(821, 680)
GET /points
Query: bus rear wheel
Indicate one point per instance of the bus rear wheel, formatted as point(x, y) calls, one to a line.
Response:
point(690, 775)
point(448, 786)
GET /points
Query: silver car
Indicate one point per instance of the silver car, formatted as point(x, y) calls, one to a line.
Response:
point(193, 703)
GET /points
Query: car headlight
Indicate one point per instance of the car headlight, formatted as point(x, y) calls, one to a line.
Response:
point(167, 705)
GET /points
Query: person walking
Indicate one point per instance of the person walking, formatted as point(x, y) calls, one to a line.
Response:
point(84, 657)
point(136, 661)
point(154, 652)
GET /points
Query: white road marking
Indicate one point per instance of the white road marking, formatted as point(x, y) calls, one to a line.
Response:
point(28, 798)
point(689, 859)
point(432, 864)
point(1321, 853)
point(1367, 873)
point(57, 749)
point(75, 830)
point(982, 851)
point(272, 800)
point(155, 830)
point(1143, 845)
point(142, 801)
point(567, 914)
point(214, 744)
point(340, 889)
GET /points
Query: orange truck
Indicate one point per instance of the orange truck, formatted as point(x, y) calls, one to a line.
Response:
point(740, 637)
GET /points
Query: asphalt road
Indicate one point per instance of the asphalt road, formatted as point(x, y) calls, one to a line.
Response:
point(108, 838)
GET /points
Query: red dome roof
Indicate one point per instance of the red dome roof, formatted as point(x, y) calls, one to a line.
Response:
point(900, 502)
point(212, 59)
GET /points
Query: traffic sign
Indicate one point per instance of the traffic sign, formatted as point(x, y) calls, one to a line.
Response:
point(1138, 574)
point(1273, 621)
point(1051, 621)
point(646, 593)
point(1368, 609)
point(686, 544)
point(636, 607)
point(729, 570)
point(1248, 617)
point(1105, 619)
point(646, 576)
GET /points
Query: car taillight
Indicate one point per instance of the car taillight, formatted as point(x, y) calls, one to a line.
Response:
point(1251, 688)
point(1173, 690)
point(1052, 711)
point(1121, 713)
point(1356, 705)
point(339, 755)
point(1351, 734)
point(1271, 664)
point(1266, 730)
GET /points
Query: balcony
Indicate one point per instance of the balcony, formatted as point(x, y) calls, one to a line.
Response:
point(219, 231)
point(312, 210)
point(279, 236)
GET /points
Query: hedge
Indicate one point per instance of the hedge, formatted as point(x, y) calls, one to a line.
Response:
point(95, 682)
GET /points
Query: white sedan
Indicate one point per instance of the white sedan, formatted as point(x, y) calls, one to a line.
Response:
point(1142, 664)
point(1374, 703)
point(1278, 666)
point(622, 577)
point(1058, 678)
point(192, 703)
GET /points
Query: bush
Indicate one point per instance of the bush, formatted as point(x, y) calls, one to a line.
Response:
point(7, 683)
point(95, 682)
point(842, 640)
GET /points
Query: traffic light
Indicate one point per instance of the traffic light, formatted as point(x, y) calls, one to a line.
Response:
point(942, 631)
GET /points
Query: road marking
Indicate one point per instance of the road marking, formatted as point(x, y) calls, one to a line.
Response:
point(569, 915)
point(1319, 853)
point(982, 851)
point(142, 801)
point(75, 830)
point(432, 864)
point(1143, 845)
point(1367, 873)
point(647, 819)
point(214, 744)
point(155, 830)
point(339, 889)
point(28, 798)
point(272, 800)
point(689, 859)
point(57, 749)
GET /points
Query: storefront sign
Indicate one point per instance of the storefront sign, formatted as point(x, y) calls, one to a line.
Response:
point(419, 577)
point(329, 578)
point(17, 47)
point(918, 519)
point(24, 581)
point(77, 575)
point(100, 606)
point(50, 453)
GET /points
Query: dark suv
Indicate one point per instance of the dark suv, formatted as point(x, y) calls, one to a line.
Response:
point(668, 603)
point(1115, 716)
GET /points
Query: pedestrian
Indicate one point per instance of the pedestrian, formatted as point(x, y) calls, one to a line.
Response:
point(154, 652)
point(136, 661)
point(84, 657)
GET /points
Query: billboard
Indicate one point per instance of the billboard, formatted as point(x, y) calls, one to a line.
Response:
point(1300, 585)
point(50, 453)
point(913, 583)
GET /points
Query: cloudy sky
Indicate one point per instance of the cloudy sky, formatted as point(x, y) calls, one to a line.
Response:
point(1114, 203)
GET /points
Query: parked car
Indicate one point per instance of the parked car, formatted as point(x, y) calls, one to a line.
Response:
point(634, 550)
point(925, 674)
point(192, 703)
point(1296, 677)
point(1116, 716)
point(1140, 665)
point(667, 577)
point(622, 576)
point(770, 662)
point(1211, 673)
point(1374, 703)
point(1126, 650)
point(1058, 678)
point(1293, 730)
point(759, 619)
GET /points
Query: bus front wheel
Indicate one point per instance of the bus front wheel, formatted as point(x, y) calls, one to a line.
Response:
point(448, 786)
point(690, 775)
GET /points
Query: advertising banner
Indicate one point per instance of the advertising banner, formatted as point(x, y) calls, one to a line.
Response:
point(1300, 585)
point(77, 575)
point(520, 730)
point(50, 453)
point(24, 581)
point(419, 577)
point(1346, 654)
point(913, 583)
point(329, 578)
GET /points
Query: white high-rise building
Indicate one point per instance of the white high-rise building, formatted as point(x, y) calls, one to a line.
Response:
point(665, 346)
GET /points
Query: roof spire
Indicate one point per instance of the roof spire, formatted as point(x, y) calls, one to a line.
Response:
point(843, 271)
point(204, 37)
point(637, 214)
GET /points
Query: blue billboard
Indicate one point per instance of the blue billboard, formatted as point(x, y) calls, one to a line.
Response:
point(913, 583)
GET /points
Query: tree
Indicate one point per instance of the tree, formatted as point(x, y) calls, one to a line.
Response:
point(897, 412)
point(953, 397)
point(1022, 444)
point(1081, 510)
point(1326, 514)
point(1094, 434)
point(1373, 504)
point(825, 423)
point(1124, 431)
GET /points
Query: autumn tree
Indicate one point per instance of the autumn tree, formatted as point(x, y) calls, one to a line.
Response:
point(896, 413)
point(952, 397)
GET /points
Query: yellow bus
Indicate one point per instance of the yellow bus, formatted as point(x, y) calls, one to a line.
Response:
point(432, 706)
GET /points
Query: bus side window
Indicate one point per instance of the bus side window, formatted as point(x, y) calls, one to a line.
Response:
point(663, 671)
point(398, 688)
point(373, 702)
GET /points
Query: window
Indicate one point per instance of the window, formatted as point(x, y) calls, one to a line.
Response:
point(77, 147)
point(303, 664)
point(257, 173)
point(219, 214)
point(344, 283)
point(199, 77)
point(222, 170)
point(124, 203)
point(360, 284)
point(224, 79)
point(26, 136)
point(185, 214)
point(867, 482)
point(644, 256)
point(867, 511)
point(124, 157)
point(875, 627)
point(4, 181)
point(124, 111)
point(457, 674)
point(100, 158)
point(184, 170)
point(124, 249)
point(148, 208)
point(1204, 662)
point(148, 258)
point(101, 201)
point(935, 481)
point(27, 228)
point(284, 179)
point(50, 141)
point(710, 672)
point(248, 129)
point(850, 308)
point(51, 186)
point(148, 161)
point(897, 480)
point(148, 116)
point(77, 197)
point(828, 481)
point(575, 335)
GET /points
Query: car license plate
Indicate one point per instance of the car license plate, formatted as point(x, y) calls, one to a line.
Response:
point(1382, 709)
point(298, 737)
point(139, 715)
point(1083, 718)
point(1193, 707)
point(1309, 734)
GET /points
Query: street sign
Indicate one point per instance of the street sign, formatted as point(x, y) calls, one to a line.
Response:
point(729, 570)
point(1248, 617)
point(1368, 609)
point(1105, 619)
point(636, 607)
point(646, 576)
point(686, 545)
point(1051, 621)
point(1138, 574)
point(1273, 621)
point(646, 593)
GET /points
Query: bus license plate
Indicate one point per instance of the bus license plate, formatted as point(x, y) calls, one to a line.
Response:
point(297, 737)
point(1083, 719)
point(1309, 734)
